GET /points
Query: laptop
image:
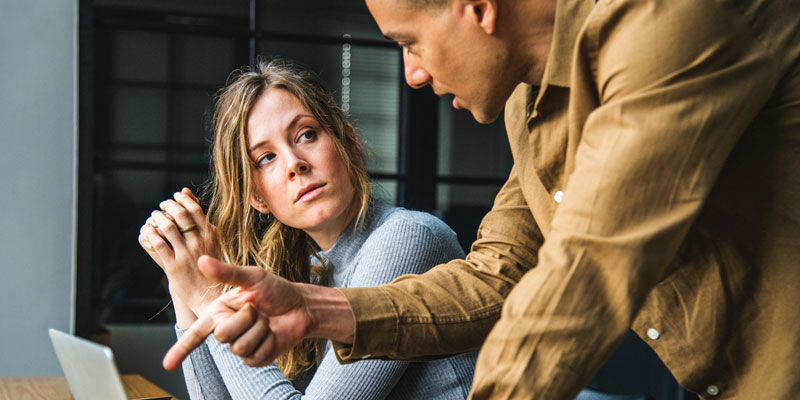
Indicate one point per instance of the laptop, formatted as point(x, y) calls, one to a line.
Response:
point(90, 369)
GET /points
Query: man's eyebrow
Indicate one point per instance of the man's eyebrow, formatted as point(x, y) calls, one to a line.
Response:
point(289, 126)
point(394, 36)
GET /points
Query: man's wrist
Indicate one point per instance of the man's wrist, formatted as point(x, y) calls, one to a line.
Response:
point(329, 313)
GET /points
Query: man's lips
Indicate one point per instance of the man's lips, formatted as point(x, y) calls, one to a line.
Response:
point(309, 192)
point(456, 104)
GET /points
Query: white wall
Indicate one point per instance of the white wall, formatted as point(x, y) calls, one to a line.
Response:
point(38, 118)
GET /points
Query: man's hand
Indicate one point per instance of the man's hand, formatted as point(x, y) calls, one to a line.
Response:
point(265, 316)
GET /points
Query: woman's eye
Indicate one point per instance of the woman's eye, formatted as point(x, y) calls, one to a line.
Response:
point(266, 158)
point(308, 135)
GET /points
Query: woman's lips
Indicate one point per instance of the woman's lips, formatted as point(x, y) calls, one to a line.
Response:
point(311, 194)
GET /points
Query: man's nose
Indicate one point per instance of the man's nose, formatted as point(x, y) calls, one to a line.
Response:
point(416, 75)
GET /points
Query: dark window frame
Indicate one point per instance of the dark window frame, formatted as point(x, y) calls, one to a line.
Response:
point(416, 178)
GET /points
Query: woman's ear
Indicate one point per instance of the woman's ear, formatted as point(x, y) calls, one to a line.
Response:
point(351, 139)
point(351, 129)
point(259, 204)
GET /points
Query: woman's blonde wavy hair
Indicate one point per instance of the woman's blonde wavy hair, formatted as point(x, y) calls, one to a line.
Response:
point(244, 237)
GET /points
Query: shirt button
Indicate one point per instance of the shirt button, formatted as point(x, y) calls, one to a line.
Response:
point(559, 196)
point(713, 390)
point(652, 333)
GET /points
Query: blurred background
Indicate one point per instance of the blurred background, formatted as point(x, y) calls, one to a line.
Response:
point(156, 66)
point(105, 112)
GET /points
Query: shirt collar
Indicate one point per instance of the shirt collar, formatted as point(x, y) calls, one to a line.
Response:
point(569, 19)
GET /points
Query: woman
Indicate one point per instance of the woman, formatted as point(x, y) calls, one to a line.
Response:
point(290, 178)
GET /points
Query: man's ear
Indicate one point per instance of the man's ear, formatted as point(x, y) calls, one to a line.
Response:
point(259, 204)
point(481, 12)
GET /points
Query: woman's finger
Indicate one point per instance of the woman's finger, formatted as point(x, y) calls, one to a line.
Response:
point(189, 193)
point(183, 219)
point(150, 221)
point(143, 240)
point(192, 207)
point(156, 243)
point(169, 230)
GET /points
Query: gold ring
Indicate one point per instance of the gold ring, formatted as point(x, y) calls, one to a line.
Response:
point(189, 228)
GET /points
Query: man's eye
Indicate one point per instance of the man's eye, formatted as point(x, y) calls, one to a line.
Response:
point(410, 52)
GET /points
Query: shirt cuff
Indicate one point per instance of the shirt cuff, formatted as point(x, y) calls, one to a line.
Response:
point(377, 325)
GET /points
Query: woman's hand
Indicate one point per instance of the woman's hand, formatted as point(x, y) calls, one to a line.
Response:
point(175, 237)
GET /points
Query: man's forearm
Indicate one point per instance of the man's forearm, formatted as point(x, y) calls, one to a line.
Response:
point(330, 313)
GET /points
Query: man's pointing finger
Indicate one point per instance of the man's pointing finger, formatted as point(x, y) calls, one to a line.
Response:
point(190, 340)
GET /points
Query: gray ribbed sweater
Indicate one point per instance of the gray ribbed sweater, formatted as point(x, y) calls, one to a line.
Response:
point(392, 242)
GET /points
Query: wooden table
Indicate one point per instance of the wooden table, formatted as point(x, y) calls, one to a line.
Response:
point(55, 388)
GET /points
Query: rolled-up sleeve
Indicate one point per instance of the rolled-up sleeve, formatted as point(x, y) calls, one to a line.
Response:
point(452, 307)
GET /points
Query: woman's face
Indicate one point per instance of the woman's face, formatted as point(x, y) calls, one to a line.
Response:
point(299, 177)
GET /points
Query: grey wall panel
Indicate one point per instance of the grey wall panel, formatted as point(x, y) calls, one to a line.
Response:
point(37, 180)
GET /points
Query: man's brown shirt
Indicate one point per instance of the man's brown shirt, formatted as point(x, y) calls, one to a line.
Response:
point(656, 186)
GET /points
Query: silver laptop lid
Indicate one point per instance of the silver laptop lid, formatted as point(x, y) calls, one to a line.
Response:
point(88, 367)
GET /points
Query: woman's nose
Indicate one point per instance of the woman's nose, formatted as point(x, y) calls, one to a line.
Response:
point(297, 166)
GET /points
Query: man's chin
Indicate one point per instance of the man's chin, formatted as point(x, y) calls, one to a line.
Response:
point(485, 116)
point(482, 113)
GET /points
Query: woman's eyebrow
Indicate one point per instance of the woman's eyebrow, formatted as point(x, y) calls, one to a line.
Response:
point(294, 121)
point(288, 128)
point(257, 145)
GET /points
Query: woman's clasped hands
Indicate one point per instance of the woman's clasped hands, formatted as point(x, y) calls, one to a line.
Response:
point(175, 237)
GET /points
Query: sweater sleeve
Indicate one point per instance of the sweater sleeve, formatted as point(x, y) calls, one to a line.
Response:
point(203, 380)
point(364, 380)
point(400, 246)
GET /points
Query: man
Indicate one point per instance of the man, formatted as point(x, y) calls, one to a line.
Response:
point(654, 188)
